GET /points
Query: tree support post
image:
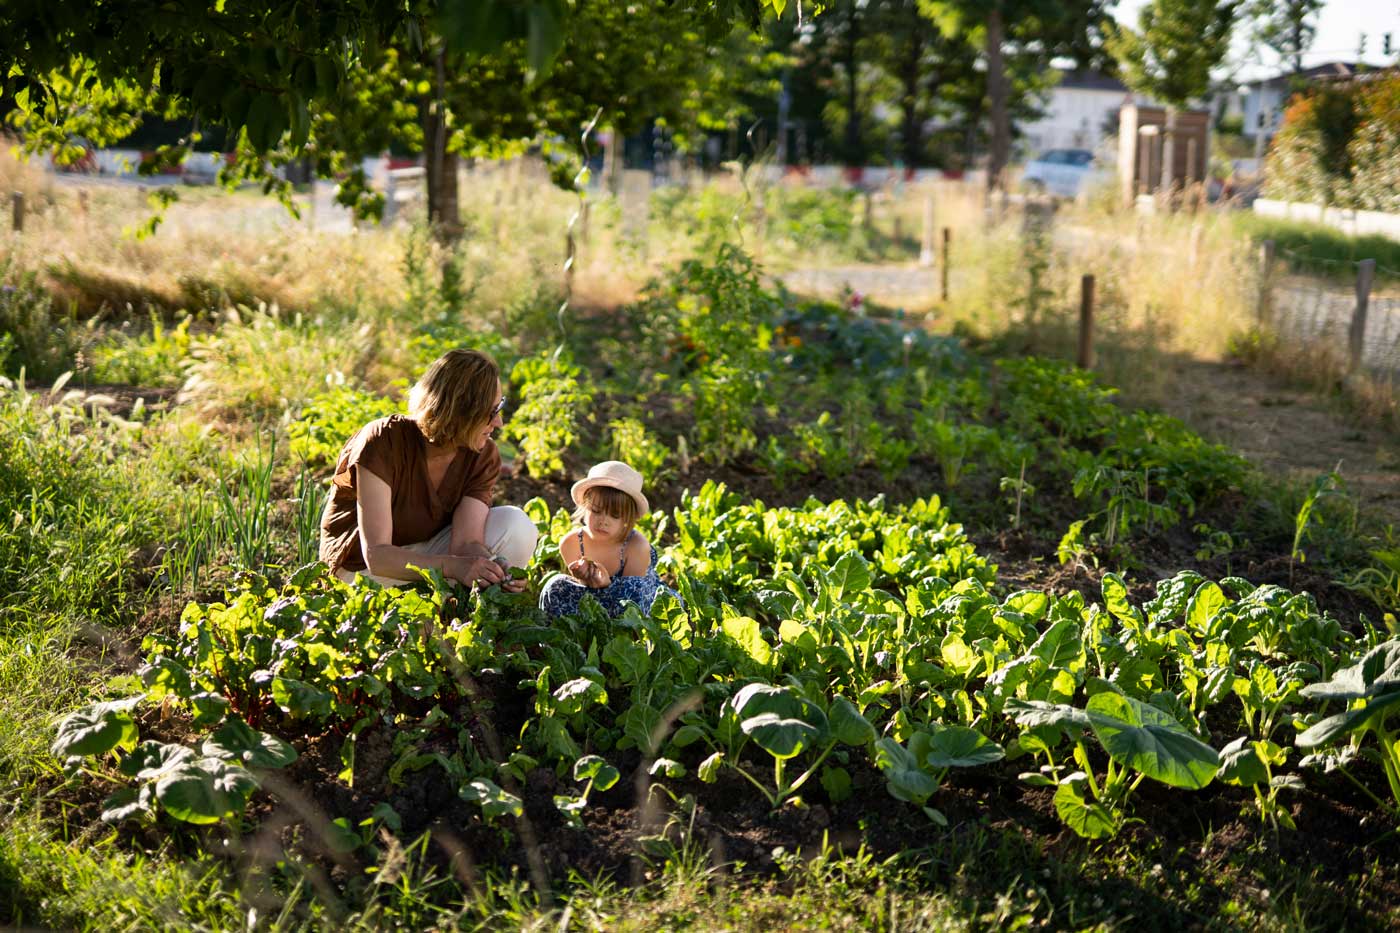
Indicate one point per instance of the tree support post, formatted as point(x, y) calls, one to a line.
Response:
point(17, 211)
point(1085, 357)
point(1365, 277)
point(943, 271)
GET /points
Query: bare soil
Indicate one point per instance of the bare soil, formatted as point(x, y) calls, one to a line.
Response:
point(1289, 432)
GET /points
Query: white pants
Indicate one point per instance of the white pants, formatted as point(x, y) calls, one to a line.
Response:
point(509, 535)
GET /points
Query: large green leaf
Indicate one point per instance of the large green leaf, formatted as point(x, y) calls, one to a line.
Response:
point(236, 741)
point(629, 658)
point(779, 736)
point(1033, 604)
point(298, 699)
point(847, 724)
point(1325, 731)
point(97, 729)
point(1376, 673)
point(1115, 598)
point(579, 694)
point(848, 576)
point(958, 658)
point(961, 747)
point(152, 759)
point(1243, 763)
point(1032, 714)
point(1060, 645)
point(904, 779)
point(1204, 606)
point(596, 769)
point(747, 633)
point(125, 803)
point(1148, 740)
point(1086, 818)
point(494, 801)
point(205, 791)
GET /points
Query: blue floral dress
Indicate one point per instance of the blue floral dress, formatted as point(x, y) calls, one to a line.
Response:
point(562, 593)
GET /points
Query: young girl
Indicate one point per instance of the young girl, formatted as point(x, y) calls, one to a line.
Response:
point(606, 557)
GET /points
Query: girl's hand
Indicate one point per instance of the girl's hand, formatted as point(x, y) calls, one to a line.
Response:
point(590, 573)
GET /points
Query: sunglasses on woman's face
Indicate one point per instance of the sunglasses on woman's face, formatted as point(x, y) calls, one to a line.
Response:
point(500, 407)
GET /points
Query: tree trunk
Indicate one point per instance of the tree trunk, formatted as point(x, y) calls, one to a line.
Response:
point(852, 143)
point(997, 99)
point(444, 211)
point(911, 76)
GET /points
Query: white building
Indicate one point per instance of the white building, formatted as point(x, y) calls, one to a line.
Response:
point(1080, 112)
point(1265, 100)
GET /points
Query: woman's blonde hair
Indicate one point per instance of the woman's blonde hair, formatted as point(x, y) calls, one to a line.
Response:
point(613, 503)
point(456, 398)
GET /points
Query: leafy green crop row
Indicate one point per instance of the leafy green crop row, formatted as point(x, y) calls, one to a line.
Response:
point(810, 643)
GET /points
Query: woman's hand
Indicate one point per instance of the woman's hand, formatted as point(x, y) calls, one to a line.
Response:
point(589, 573)
point(479, 570)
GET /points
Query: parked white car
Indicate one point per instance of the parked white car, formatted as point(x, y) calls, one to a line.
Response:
point(1062, 172)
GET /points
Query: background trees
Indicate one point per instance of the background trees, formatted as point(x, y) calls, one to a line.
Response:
point(1172, 53)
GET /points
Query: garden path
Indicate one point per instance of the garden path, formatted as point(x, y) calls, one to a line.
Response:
point(1287, 431)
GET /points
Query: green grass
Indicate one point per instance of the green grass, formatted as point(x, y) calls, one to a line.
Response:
point(1316, 249)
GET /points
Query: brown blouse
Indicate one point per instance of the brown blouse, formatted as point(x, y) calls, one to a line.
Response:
point(395, 450)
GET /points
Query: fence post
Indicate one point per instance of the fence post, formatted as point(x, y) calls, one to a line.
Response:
point(926, 241)
point(943, 270)
point(1365, 276)
point(17, 210)
point(1086, 322)
point(1266, 272)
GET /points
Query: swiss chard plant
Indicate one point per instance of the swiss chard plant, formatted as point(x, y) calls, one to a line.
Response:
point(785, 724)
point(915, 771)
point(1369, 692)
point(1141, 741)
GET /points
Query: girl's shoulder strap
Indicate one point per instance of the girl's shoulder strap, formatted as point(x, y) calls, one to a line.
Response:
point(580, 542)
point(623, 549)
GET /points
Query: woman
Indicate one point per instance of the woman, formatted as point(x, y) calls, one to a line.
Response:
point(416, 491)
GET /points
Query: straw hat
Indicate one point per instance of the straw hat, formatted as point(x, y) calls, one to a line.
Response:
point(617, 475)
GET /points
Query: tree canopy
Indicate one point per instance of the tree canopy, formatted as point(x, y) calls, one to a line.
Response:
point(1176, 45)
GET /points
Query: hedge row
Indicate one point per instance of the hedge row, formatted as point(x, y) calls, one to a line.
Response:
point(1339, 145)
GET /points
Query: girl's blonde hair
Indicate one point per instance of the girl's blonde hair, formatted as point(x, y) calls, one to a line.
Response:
point(611, 502)
point(456, 398)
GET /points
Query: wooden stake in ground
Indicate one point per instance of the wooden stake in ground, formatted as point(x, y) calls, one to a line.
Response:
point(1086, 322)
point(1266, 272)
point(17, 211)
point(1365, 277)
point(943, 270)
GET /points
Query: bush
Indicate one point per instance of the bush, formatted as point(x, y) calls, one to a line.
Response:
point(1338, 146)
